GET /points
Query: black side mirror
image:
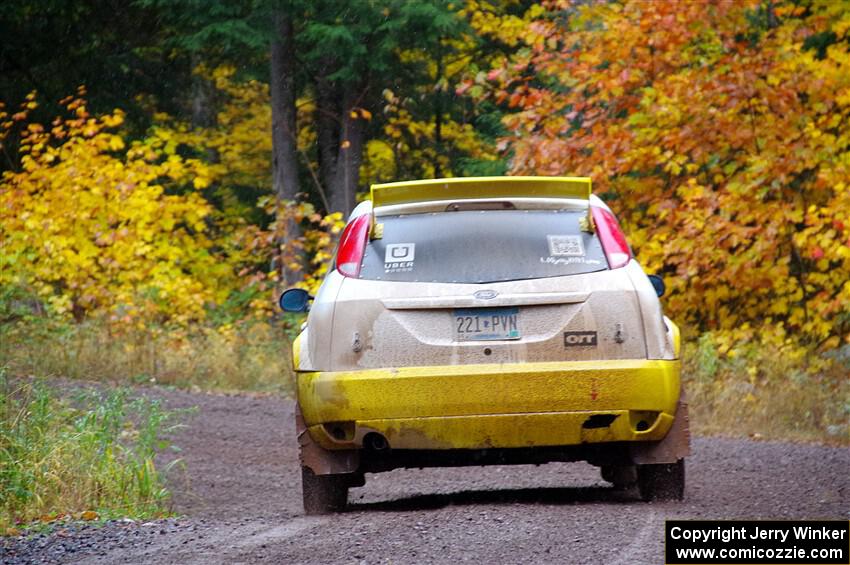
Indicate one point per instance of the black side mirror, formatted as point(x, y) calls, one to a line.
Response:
point(658, 285)
point(295, 300)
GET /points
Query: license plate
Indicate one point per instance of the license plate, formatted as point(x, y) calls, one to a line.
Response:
point(479, 324)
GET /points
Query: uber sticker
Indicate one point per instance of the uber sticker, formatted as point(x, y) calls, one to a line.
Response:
point(398, 257)
point(565, 246)
point(574, 339)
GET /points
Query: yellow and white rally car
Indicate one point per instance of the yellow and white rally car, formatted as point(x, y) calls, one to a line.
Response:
point(494, 320)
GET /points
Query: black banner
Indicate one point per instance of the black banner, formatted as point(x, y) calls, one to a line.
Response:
point(697, 542)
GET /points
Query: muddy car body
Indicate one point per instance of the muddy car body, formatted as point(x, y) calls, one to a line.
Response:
point(486, 321)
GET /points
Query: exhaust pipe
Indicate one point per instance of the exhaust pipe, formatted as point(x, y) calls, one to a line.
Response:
point(375, 442)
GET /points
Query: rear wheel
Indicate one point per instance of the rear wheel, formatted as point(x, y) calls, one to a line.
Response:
point(323, 494)
point(662, 482)
point(621, 476)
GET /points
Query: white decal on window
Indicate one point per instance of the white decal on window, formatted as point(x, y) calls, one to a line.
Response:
point(570, 261)
point(398, 257)
point(565, 246)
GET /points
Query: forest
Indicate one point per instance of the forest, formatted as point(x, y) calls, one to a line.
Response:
point(167, 167)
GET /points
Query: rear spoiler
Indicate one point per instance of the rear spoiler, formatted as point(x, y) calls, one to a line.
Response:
point(475, 188)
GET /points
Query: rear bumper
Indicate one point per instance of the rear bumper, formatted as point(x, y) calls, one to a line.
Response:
point(492, 406)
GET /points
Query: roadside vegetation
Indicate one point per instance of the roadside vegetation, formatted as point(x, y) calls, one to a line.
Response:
point(251, 355)
point(87, 456)
point(766, 390)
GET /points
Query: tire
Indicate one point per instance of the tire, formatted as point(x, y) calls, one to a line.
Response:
point(662, 482)
point(621, 476)
point(323, 494)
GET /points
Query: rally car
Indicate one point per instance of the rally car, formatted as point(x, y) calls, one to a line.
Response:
point(492, 320)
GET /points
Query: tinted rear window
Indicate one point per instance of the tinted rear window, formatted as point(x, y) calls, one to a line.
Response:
point(482, 246)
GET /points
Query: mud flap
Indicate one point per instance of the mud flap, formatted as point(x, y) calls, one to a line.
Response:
point(675, 445)
point(319, 460)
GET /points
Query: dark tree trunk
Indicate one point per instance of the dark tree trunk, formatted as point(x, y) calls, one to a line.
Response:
point(204, 105)
point(203, 98)
point(341, 135)
point(284, 138)
point(438, 115)
point(327, 129)
point(349, 156)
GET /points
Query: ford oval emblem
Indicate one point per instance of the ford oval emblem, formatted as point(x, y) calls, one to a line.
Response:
point(485, 294)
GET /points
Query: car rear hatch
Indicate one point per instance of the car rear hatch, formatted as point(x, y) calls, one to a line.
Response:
point(474, 280)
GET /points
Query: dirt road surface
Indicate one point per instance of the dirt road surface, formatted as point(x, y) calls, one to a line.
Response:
point(240, 502)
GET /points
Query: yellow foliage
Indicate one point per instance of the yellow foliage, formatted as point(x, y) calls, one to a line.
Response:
point(96, 224)
point(489, 18)
point(90, 224)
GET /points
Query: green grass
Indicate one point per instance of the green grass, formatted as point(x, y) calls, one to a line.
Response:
point(92, 455)
point(251, 355)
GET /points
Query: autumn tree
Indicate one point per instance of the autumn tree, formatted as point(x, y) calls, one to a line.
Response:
point(718, 130)
point(90, 223)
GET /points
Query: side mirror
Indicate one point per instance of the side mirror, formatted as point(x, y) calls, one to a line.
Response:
point(658, 285)
point(295, 300)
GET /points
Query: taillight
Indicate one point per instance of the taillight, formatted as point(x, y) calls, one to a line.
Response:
point(613, 240)
point(352, 245)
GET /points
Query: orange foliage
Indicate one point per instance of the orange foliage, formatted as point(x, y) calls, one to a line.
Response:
point(722, 141)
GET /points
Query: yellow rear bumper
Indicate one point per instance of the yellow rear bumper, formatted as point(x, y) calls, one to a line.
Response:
point(480, 406)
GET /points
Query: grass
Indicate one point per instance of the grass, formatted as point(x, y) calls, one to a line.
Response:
point(760, 391)
point(251, 356)
point(89, 457)
point(92, 456)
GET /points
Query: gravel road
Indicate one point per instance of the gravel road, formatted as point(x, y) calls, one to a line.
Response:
point(240, 502)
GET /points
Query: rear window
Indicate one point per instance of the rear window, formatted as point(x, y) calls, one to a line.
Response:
point(482, 246)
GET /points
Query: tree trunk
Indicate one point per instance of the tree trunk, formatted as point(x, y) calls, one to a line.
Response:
point(341, 135)
point(284, 146)
point(438, 114)
point(349, 156)
point(327, 129)
point(204, 105)
point(203, 98)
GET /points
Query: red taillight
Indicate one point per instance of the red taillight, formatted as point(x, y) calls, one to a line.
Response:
point(613, 241)
point(352, 245)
